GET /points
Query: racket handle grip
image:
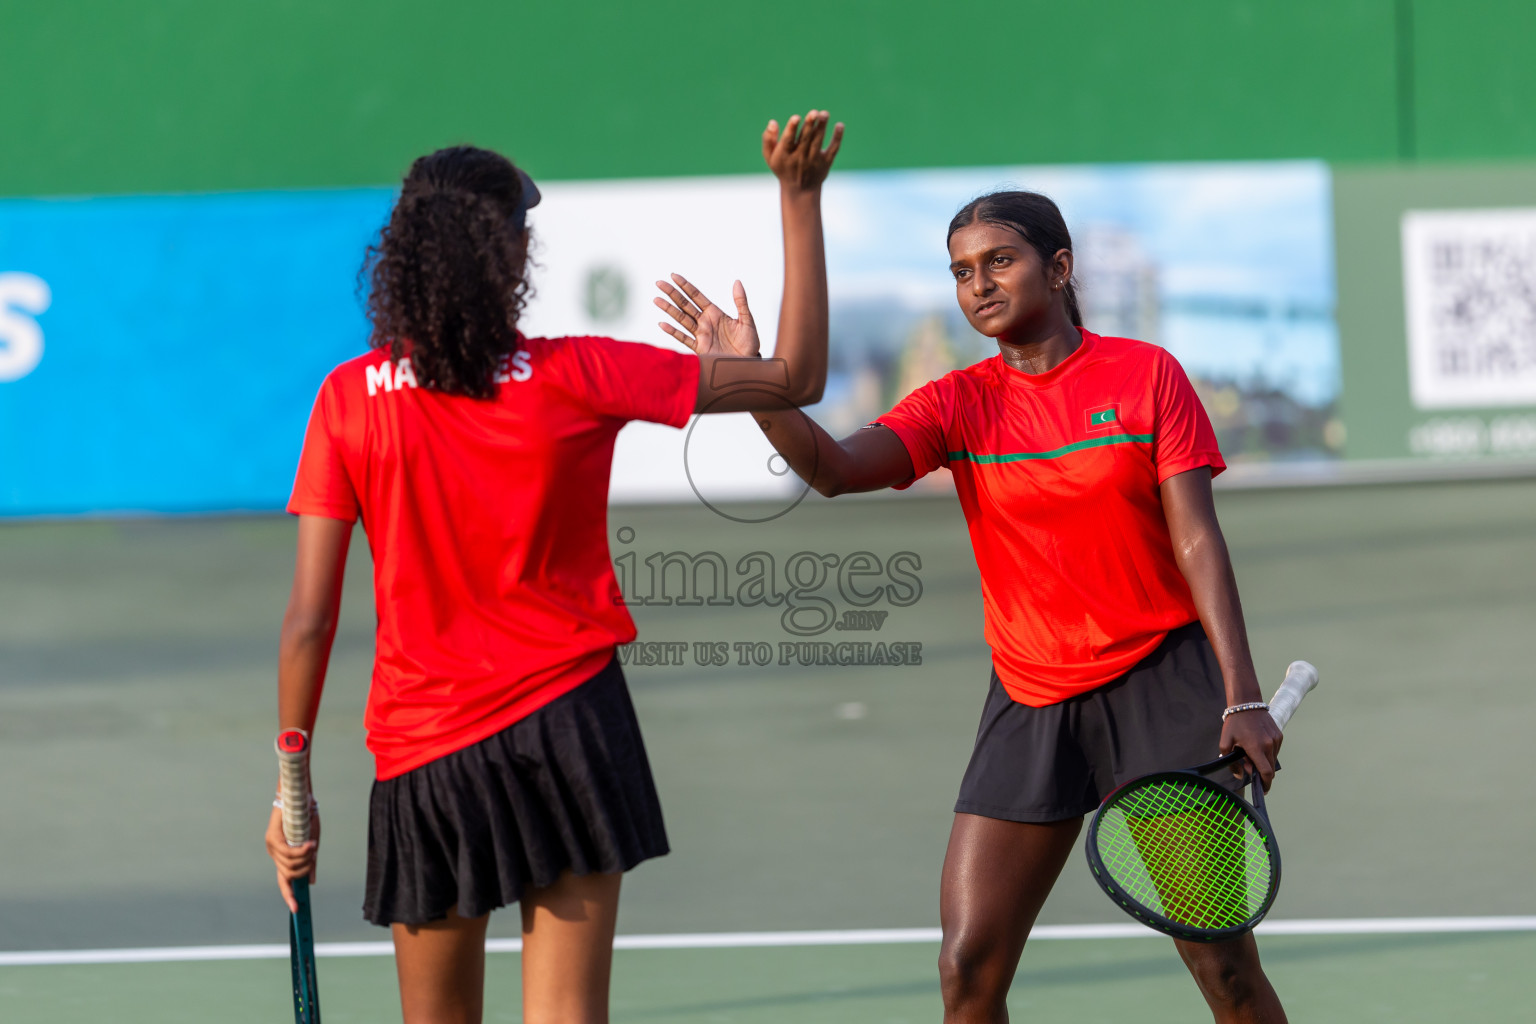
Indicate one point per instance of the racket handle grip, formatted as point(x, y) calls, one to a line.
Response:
point(1300, 678)
point(293, 784)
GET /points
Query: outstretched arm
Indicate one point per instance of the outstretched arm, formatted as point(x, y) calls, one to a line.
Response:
point(732, 376)
point(1201, 552)
point(870, 459)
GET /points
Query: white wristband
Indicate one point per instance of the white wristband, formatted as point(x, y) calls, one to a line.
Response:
point(1257, 705)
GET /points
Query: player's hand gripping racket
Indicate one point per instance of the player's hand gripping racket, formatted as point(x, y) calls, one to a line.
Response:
point(293, 779)
point(1182, 854)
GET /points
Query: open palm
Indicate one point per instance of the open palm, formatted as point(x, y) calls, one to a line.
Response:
point(704, 326)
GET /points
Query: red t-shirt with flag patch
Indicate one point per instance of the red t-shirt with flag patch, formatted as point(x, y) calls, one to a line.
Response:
point(488, 525)
point(1058, 476)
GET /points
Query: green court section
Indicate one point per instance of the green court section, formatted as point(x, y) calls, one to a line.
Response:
point(1405, 979)
point(137, 712)
point(177, 95)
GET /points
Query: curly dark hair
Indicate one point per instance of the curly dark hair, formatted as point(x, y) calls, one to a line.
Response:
point(447, 275)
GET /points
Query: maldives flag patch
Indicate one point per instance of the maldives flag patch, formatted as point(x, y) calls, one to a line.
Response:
point(1104, 417)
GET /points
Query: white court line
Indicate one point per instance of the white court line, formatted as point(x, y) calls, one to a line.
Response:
point(737, 940)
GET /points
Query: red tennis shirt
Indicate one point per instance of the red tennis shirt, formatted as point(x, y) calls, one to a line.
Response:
point(1058, 475)
point(488, 525)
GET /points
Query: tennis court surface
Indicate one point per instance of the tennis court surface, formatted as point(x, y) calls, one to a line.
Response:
point(1358, 978)
point(136, 707)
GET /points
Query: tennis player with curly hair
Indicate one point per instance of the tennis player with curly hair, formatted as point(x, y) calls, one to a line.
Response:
point(1083, 465)
point(510, 765)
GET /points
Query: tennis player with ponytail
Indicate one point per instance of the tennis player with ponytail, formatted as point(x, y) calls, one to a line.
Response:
point(1083, 465)
point(510, 764)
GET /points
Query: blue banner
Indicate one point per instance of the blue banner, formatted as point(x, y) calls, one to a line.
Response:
point(160, 353)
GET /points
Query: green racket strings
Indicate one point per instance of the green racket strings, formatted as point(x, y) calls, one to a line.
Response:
point(1186, 852)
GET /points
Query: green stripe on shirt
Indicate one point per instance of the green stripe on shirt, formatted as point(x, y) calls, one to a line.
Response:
point(1076, 446)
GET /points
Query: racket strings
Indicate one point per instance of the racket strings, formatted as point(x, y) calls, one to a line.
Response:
point(1186, 852)
point(1193, 875)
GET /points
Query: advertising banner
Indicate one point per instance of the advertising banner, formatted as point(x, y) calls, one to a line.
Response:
point(1437, 312)
point(159, 354)
point(1229, 266)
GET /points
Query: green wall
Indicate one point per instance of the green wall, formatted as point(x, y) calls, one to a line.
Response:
point(1475, 78)
point(172, 95)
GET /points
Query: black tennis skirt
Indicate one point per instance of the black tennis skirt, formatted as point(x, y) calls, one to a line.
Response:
point(568, 788)
point(1060, 761)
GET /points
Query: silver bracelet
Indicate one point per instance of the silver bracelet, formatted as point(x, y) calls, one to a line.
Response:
point(1257, 705)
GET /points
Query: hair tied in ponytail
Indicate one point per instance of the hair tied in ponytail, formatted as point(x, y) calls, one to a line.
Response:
point(1032, 215)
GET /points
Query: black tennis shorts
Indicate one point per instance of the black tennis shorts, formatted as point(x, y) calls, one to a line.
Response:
point(568, 788)
point(1060, 761)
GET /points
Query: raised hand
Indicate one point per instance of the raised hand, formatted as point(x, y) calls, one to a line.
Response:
point(705, 327)
point(795, 153)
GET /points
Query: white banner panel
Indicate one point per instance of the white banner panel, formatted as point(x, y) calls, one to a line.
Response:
point(601, 246)
point(1469, 281)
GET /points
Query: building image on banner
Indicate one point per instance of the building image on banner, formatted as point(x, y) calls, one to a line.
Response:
point(1228, 266)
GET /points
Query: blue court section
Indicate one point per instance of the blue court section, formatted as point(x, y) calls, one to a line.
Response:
point(182, 342)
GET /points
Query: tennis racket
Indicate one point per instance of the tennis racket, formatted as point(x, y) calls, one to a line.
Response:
point(293, 779)
point(1182, 854)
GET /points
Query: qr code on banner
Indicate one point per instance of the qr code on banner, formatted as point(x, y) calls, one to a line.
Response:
point(1469, 278)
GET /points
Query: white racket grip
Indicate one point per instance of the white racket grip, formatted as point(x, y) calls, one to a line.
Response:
point(1300, 678)
point(293, 783)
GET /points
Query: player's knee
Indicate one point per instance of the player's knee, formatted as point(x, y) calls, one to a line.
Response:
point(1228, 977)
point(968, 972)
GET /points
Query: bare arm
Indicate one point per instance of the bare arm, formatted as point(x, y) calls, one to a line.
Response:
point(732, 375)
point(869, 459)
point(802, 337)
point(1201, 553)
point(309, 627)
